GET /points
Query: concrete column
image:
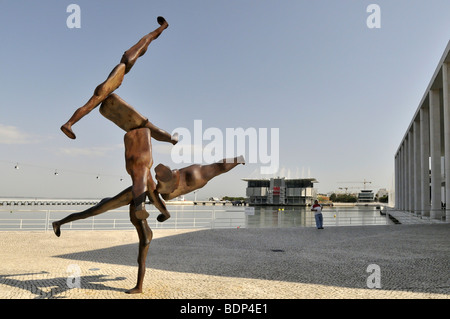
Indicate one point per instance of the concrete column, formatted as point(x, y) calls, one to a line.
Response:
point(435, 153)
point(407, 179)
point(446, 99)
point(424, 160)
point(400, 181)
point(405, 174)
point(402, 176)
point(417, 194)
point(412, 182)
point(397, 180)
point(399, 196)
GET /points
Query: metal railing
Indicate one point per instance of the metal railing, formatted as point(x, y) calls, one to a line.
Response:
point(178, 220)
point(386, 216)
point(28, 219)
point(290, 217)
point(339, 217)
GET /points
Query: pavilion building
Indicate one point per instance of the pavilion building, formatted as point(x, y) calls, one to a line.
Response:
point(281, 191)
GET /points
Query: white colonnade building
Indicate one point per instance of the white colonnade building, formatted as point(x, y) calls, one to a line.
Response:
point(422, 161)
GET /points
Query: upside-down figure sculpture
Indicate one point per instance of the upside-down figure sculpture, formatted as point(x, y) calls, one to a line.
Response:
point(138, 157)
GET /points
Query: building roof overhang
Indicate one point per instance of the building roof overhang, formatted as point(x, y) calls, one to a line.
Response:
point(312, 180)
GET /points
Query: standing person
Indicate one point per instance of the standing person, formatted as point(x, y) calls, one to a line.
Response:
point(317, 208)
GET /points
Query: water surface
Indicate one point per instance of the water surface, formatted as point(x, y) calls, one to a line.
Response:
point(39, 217)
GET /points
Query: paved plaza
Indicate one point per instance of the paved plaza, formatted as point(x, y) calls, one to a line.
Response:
point(354, 262)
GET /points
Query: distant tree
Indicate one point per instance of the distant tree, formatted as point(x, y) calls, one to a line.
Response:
point(345, 198)
point(232, 198)
point(322, 198)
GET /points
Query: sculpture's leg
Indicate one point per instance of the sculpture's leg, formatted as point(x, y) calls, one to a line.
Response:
point(212, 170)
point(115, 78)
point(121, 199)
point(145, 236)
point(192, 177)
point(113, 81)
point(131, 55)
point(127, 118)
point(138, 158)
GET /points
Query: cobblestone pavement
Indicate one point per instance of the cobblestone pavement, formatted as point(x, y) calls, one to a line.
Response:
point(407, 261)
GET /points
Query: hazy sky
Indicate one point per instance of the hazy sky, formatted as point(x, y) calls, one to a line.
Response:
point(341, 94)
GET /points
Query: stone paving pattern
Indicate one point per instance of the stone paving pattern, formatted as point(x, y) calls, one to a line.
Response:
point(269, 263)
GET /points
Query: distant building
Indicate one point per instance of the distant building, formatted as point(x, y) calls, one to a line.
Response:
point(382, 192)
point(366, 196)
point(281, 191)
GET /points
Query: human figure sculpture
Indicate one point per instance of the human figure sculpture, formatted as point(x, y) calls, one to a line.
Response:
point(115, 79)
point(174, 183)
point(138, 157)
point(126, 117)
point(171, 183)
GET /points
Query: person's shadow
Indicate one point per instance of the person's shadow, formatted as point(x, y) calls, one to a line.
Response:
point(39, 287)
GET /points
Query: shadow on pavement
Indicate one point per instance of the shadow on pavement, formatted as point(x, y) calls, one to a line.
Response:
point(410, 258)
point(45, 288)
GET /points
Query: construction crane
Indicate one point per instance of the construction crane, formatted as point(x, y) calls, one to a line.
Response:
point(347, 188)
point(364, 182)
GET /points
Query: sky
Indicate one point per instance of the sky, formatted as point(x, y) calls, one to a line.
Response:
point(340, 94)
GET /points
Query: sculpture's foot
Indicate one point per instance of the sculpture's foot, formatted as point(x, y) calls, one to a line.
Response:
point(135, 290)
point(174, 139)
point(162, 217)
point(142, 214)
point(241, 160)
point(162, 21)
point(56, 228)
point(67, 129)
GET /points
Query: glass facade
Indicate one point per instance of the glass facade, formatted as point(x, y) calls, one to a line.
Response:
point(366, 196)
point(281, 191)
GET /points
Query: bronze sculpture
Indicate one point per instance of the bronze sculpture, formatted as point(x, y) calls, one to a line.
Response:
point(138, 157)
point(173, 183)
point(127, 118)
point(115, 78)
